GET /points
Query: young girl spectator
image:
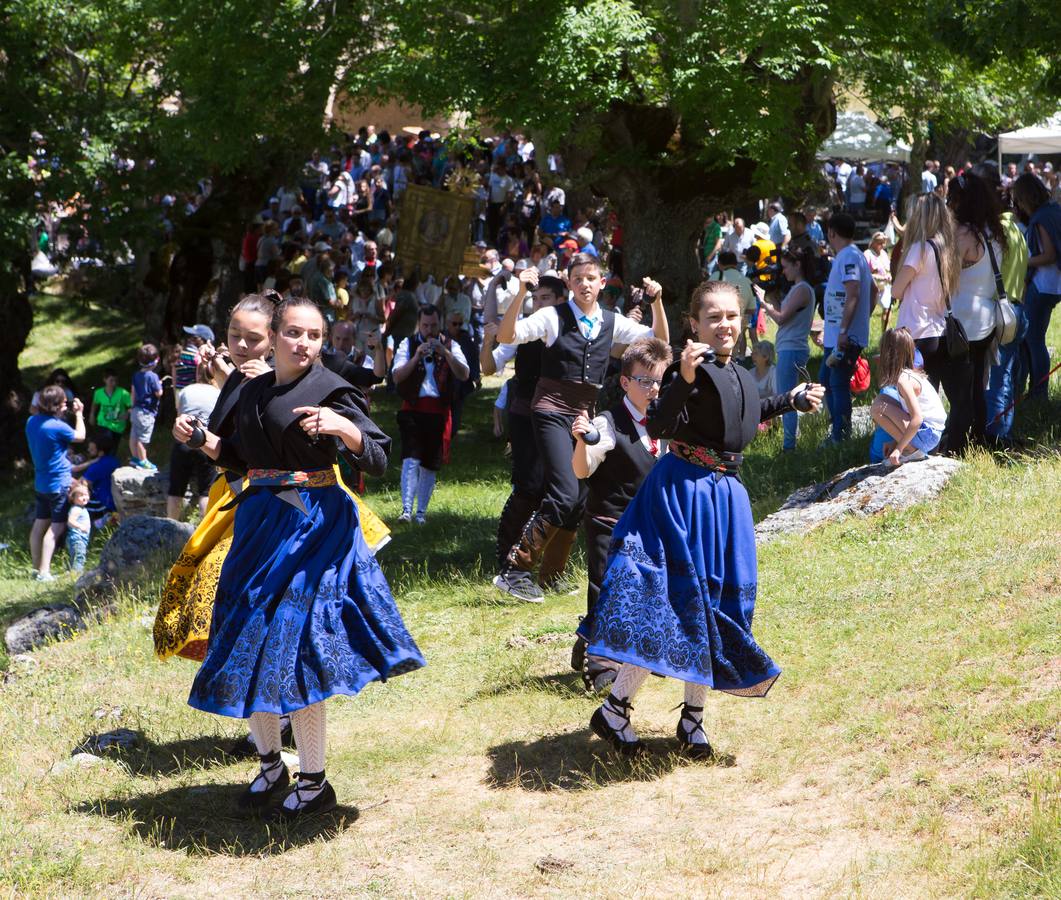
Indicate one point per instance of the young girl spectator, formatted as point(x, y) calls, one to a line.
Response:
point(147, 389)
point(793, 318)
point(908, 407)
point(78, 525)
point(1042, 216)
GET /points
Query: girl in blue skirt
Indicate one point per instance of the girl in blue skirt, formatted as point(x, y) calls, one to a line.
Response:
point(679, 593)
point(302, 611)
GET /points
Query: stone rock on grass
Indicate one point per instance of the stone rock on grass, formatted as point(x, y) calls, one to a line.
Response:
point(119, 740)
point(139, 491)
point(77, 761)
point(41, 625)
point(862, 491)
point(138, 540)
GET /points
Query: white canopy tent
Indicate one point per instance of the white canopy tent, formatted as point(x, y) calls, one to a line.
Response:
point(857, 136)
point(1042, 138)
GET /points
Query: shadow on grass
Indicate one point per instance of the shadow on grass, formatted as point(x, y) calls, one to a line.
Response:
point(563, 684)
point(579, 762)
point(206, 821)
point(148, 758)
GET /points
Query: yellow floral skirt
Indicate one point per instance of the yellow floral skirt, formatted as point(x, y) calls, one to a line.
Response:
point(182, 623)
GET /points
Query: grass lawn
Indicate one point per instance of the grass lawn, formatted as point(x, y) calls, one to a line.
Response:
point(909, 749)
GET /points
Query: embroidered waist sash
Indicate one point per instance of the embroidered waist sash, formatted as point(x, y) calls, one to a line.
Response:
point(715, 460)
point(284, 478)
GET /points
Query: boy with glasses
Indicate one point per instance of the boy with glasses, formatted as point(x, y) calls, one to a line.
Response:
point(613, 468)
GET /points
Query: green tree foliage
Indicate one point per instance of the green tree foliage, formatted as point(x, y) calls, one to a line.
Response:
point(234, 91)
point(674, 108)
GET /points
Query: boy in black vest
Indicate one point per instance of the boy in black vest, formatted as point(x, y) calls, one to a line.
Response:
point(426, 366)
point(613, 469)
point(578, 336)
point(526, 493)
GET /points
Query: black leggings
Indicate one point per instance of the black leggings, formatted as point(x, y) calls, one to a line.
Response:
point(964, 382)
point(563, 495)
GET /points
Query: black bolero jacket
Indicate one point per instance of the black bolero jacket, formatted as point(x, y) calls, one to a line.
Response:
point(721, 409)
point(265, 433)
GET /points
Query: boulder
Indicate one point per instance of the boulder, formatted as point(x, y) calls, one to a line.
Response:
point(139, 491)
point(75, 762)
point(42, 625)
point(137, 541)
point(862, 491)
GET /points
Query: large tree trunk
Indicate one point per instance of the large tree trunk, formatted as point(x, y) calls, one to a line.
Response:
point(660, 240)
point(16, 320)
point(197, 279)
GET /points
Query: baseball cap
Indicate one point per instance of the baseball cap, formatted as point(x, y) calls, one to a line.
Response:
point(200, 331)
point(322, 247)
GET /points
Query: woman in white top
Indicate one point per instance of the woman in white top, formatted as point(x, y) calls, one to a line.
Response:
point(929, 272)
point(977, 212)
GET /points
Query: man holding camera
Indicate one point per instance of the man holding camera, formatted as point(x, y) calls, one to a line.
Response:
point(426, 366)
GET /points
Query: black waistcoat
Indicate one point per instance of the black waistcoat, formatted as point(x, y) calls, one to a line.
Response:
point(573, 358)
point(621, 471)
point(266, 418)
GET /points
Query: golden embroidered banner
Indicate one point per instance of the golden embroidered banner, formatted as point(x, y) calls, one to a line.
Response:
point(433, 231)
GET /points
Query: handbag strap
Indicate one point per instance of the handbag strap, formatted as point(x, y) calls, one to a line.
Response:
point(1000, 288)
point(939, 270)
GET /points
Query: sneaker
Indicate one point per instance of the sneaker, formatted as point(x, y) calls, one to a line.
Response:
point(150, 465)
point(44, 576)
point(420, 519)
point(563, 586)
point(827, 442)
point(519, 585)
point(914, 455)
point(405, 518)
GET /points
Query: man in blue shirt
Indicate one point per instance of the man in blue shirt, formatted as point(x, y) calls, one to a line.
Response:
point(49, 437)
point(849, 297)
point(555, 222)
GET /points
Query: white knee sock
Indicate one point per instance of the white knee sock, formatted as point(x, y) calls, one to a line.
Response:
point(410, 477)
point(265, 729)
point(627, 683)
point(424, 489)
point(308, 725)
point(695, 694)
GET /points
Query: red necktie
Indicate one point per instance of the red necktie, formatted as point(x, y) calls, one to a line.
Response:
point(653, 444)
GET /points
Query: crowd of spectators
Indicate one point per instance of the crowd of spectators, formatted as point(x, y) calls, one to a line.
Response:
point(812, 275)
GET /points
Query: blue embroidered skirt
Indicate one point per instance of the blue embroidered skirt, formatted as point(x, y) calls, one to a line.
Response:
point(302, 610)
point(678, 595)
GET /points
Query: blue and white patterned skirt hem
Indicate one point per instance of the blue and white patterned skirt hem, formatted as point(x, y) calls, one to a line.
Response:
point(302, 612)
point(678, 596)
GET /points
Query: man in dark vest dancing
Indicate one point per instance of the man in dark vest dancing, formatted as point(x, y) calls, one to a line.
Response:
point(578, 336)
